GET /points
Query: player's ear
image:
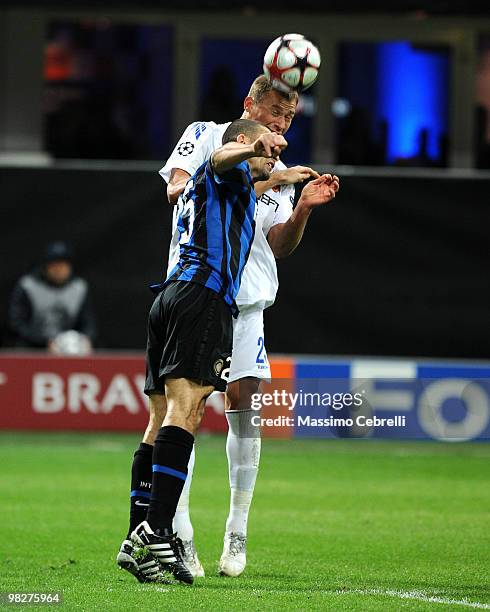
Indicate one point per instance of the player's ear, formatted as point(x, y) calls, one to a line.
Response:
point(248, 103)
point(241, 138)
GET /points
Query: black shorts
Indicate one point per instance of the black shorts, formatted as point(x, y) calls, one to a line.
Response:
point(190, 335)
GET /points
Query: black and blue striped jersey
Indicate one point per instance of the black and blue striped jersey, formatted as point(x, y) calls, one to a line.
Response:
point(216, 225)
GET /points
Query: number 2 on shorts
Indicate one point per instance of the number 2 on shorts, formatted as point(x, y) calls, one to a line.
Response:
point(260, 358)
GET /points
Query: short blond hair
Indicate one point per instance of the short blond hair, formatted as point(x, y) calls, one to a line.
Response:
point(261, 86)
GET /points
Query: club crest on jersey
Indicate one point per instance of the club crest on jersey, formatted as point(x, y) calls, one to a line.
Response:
point(185, 148)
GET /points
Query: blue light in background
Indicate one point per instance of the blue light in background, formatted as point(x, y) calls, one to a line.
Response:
point(412, 94)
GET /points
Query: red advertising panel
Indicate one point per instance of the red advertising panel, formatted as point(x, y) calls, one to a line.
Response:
point(100, 392)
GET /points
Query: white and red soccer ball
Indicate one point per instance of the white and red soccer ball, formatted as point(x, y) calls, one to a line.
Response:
point(291, 63)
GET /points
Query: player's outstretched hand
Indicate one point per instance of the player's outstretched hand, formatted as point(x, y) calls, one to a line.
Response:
point(297, 174)
point(320, 191)
point(270, 145)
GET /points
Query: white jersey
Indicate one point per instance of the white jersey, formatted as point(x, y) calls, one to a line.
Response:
point(259, 280)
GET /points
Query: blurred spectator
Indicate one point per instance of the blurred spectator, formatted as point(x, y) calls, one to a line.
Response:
point(51, 301)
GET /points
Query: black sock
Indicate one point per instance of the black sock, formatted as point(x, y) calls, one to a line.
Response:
point(171, 454)
point(141, 476)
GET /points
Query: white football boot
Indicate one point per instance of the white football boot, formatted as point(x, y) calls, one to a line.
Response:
point(191, 559)
point(234, 558)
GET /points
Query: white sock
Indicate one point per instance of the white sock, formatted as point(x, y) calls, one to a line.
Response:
point(243, 451)
point(182, 520)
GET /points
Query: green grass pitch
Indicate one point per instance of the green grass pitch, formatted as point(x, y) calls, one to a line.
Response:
point(335, 525)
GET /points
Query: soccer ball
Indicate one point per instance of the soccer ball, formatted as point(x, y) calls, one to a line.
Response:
point(291, 63)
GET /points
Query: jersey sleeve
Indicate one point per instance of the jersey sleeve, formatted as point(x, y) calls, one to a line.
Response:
point(192, 150)
point(285, 208)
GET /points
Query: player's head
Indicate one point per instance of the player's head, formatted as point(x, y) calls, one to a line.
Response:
point(246, 131)
point(268, 106)
point(57, 262)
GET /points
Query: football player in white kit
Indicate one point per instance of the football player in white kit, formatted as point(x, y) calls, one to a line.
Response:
point(278, 232)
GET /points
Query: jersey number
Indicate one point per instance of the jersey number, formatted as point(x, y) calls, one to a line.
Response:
point(185, 214)
point(260, 358)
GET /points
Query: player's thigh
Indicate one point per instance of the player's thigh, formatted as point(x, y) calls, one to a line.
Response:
point(249, 355)
point(199, 335)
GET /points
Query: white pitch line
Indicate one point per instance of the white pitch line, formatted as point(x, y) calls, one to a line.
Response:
point(419, 596)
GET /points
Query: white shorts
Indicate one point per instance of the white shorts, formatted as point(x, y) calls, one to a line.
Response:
point(249, 357)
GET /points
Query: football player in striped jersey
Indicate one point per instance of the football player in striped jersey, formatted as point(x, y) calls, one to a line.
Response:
point(190, 336)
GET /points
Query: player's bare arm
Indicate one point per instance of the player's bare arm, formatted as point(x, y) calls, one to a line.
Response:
point(179, 178)
point(285, 237)
point(176, 184)
point(289, 176)
point(267, 145)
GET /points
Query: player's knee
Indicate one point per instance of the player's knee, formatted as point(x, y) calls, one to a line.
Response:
point(150, 434)
point(179, 412)
point(157, 407)
point(185, 403)
point(157, 411)
point(194, 416)
point(239, 393)
point(187, 415)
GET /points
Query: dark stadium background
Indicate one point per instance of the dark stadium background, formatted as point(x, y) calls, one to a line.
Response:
point(394, 267)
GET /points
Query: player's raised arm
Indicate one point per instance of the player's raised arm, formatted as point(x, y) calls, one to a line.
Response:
point(267, 145)
point(285, 237)
point(230, 154)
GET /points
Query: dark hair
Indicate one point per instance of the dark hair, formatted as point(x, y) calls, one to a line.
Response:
point(242, 126)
